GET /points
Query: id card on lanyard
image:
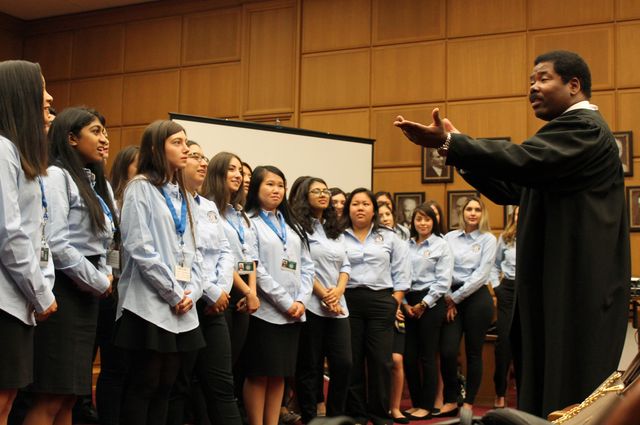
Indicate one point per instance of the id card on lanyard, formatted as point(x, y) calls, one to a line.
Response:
point(181, 272)
point(242, 267)
point(44, 247)
point(286, 264)
point(113, 255)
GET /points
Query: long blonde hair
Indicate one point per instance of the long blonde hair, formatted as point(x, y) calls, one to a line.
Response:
point(509, 234)
point(483, 226)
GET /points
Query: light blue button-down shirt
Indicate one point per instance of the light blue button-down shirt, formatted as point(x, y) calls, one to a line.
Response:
point(70, 236)
point(329, 260)
point(473, 256)
point(505, 262)
point(278, 289)
point(151, 250)
point(241, 252)
point(380, 262)
point(23, 284)
point(431, 267)
point(217, 259)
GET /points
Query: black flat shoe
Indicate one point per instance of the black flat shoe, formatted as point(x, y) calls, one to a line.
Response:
point(417, 418)
point(450, 414)
point(401, 420)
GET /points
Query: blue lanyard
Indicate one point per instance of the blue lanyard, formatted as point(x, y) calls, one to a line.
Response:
point(240, 229)
point(181, 224)
point(44, 200)
point(282, 236)
point(106, 210)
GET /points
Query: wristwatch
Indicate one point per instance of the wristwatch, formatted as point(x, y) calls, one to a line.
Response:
point(444, 149)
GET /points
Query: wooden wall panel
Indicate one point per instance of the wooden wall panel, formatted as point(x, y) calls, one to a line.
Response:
point(60, 91)
point(115, 144)
point(151, 96)
point(401, 21)
point(346, 123)
point(10, 45)
point(131, 136)
point(627, 54)
point(487, 67)
point(103, 94)
point(410, 73)
point(53, 52)
point(349, 20)
point(98, 51)
point(153, 44)
point(392, 149)
point(211, 37)
point(606, 102)
point(593, 43)
point(628, 105)
point(211, 91)
point(335, 80)
point(270, 59)
point(491, 118)
point(553, 13)
point(489, 17)
point(627, 9)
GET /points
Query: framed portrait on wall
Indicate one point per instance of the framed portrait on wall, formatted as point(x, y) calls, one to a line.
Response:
point(624, 140)
point(434, 169)
point(456, 199)
point(633, 206)
point(406, 202)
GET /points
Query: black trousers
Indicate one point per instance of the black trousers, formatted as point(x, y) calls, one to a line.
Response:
point(473, 320)
point(322, 336)
point(505, 295)
point(371, 316)
point(211, 367)
point(421, 347)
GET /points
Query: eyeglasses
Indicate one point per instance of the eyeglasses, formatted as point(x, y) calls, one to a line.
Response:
point(318, 192)
point(198, 157)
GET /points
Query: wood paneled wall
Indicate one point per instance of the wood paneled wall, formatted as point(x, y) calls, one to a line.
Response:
point(341, 66)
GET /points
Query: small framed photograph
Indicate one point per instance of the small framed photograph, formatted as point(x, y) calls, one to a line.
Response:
point(508, 210)
point(406, 202)
point(624, 140)
point(633, 205)
point(434, 169)
point(456, 200)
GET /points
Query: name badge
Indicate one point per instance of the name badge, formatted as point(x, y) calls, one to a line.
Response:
point(244, 267)
point(379, 240)
point(288, 265)
point(44, 255)
point(475, 248)
point(183, 274)
point(113, 259)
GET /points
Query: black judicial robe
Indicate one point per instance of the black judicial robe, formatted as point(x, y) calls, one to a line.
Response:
point(572, 260)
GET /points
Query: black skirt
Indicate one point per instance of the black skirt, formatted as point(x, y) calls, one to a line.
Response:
point(271, 350)
point(16, 354)
point(63, 344)
point(135, 333)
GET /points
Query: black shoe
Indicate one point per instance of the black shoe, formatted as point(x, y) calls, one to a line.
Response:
point(418, 418)
point(450, 414)
point(401, 419)
point(85, 414)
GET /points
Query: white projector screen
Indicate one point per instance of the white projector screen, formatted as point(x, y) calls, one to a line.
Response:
point(342, 161)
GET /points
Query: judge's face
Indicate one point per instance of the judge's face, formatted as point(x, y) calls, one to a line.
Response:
point(548, 94)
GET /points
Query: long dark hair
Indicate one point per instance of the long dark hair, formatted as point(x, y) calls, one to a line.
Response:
point(425, 209)
point(433, 204)
point(347, 207)
point(21, 114)
point(120, 170)
point(152, 159)
point(302, 209)
point(215, 185)
point(253, 201)
point(69, 122)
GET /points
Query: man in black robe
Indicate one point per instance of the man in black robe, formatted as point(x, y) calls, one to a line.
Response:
point(573, 259)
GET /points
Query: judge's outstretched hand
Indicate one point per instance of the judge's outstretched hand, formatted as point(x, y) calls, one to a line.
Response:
point(431, 136)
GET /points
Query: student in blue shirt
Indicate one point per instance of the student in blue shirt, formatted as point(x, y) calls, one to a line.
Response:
point(431, 268)
point(503, 277)
point(25, 291)
point(326, 331)
point(285, 281)
point(469, 303)
point(160, 279)
point(82, 221)
point(380, 274)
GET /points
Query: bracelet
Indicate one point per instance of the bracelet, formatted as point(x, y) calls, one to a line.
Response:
point(444, 149)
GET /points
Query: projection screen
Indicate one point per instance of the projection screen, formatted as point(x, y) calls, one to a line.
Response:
point(342, 161)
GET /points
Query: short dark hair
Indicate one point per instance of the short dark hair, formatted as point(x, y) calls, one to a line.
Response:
point(569, 65)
